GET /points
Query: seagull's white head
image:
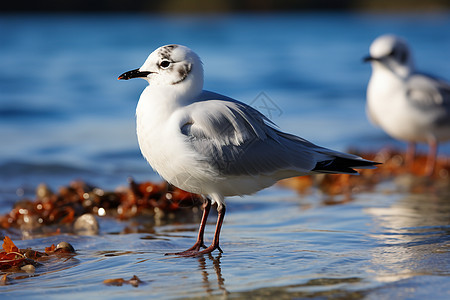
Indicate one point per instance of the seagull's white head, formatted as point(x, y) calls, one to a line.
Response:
point(391, 52)
point(171, 65)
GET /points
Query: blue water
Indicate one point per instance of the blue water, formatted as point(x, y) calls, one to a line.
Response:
point(64, 116)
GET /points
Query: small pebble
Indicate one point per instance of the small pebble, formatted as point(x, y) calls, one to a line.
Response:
point(64, 247)
point(43, 191)
point(86, 224)
point(28, 268)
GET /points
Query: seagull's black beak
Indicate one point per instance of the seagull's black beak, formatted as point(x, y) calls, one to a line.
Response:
point(368, 58)
point(133, 74)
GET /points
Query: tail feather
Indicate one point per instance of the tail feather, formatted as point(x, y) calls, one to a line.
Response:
point(343, 165)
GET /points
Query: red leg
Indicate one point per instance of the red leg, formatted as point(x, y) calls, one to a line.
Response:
point(194, 251)
point(431, 159)
point(215, 242)
point(199, 243)
point(410, 155)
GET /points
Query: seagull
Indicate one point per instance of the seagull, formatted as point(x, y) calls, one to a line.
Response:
point(408, 105)
point(209, 144)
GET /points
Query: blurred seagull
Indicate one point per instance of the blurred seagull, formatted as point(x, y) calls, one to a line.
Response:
point(210, 144)
point(408, 105)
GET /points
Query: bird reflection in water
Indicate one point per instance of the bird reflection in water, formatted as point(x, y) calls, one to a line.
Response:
point(207, 284)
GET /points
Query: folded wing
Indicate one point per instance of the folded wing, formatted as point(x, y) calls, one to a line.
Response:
point(238, 140)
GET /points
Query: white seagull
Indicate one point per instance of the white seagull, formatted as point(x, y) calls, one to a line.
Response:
point(408, 105)
point(210, 144)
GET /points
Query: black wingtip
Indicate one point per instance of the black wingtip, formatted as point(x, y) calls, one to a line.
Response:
point(344, 165)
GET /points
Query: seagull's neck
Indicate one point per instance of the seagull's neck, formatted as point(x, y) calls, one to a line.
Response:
point(399, 71)
point(176, 95)
point(159, 102)
point(403, 71)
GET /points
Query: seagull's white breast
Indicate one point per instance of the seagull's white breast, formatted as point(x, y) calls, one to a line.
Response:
point(389, 108)
point(163, 145)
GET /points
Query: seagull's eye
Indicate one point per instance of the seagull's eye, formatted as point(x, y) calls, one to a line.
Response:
point(164, 64)
point(401, 55)
point(393, 53)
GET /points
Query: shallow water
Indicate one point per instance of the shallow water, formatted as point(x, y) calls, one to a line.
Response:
point(277, 245)
point(63, 116)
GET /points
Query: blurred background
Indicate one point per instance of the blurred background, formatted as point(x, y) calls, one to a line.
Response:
point(224, 6)
point(64, 115)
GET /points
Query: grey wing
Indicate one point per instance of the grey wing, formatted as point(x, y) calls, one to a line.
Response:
point(237, 140)
point(431, 95)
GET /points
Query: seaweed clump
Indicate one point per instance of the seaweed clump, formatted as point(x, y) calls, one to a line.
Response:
point(75, 203)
